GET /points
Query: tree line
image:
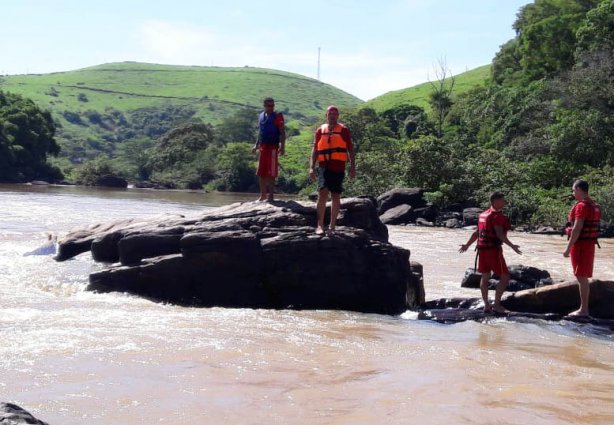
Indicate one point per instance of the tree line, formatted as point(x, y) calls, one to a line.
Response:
point(544, 118)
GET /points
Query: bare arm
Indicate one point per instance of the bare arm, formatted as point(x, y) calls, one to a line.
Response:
point(312, 161)
point(503, 237)
point(471, 240)
point(282, 139)
point(575, 234)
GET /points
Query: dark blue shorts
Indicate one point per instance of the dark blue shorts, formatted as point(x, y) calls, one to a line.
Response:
point(330, 180)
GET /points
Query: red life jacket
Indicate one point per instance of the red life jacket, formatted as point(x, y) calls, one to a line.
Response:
point(590, 229)
point(487, 237)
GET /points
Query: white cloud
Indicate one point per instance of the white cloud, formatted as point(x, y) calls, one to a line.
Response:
point(364, 73)
point(174, 42)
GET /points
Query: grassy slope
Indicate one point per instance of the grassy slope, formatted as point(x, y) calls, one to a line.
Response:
point(129, 86)
point(419, 95)
point(214, 92)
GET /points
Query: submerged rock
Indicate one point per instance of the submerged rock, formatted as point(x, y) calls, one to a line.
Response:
point(254, 254)
point(11, 414)
point(521, 278)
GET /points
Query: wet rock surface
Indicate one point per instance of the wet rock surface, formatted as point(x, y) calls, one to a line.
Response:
point(521, 278)
point(551, 303)
point(12, 414)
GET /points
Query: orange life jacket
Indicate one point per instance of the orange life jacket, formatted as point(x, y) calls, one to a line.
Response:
point(331, 145)
point(590, 229)
point(487, 237)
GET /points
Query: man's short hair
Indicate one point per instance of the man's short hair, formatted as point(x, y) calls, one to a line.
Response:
point(496, 195)
point(582, 185)
point(268, 99)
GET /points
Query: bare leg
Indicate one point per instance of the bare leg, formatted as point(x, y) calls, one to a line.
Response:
point(334, 209)
point(484, 289)
point(321, 208)
point(270, 188)
point(501, 286)
point(584, 295)
point(263, 188)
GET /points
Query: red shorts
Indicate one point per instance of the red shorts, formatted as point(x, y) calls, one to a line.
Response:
point(582, 255)
point(268, 165)
point(491, 260)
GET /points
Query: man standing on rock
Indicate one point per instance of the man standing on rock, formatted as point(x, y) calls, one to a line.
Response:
point(491, 234)
point(583, 231)
point(332, 148)
point(271, 143)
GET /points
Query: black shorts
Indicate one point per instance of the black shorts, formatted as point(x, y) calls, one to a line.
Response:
point(330, 180)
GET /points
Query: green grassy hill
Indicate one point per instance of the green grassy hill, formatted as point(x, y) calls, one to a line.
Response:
point(419, 95)
point(98, 107)
point(128, 86)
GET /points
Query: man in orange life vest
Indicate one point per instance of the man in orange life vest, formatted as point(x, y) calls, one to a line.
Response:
point(271, 143)
point(332, 147)
point(583, 230)
point(491, 234)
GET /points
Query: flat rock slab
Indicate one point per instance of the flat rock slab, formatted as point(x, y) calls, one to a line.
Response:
point(456, 315)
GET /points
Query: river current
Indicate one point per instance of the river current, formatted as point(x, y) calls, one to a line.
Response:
point(75, 357)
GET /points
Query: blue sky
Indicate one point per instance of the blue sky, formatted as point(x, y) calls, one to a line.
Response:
point(367, 47)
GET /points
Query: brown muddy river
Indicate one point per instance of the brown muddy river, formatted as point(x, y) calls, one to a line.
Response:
point(73, 357)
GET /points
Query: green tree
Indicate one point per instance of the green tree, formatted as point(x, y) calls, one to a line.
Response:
point(369, 131)
point(242, 126)
point(597, 31)
point(236, 171)
point(26, 140)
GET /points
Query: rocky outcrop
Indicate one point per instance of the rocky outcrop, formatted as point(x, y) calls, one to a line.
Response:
point(564, 297)
point(400, 214)
point(521, 278)
point(552, 302)
point(471, 215)
point(111, 181)
point(400, 196)
point(11, 414)
point(254, 254)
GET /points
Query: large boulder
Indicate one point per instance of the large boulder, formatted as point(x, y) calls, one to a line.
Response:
point(394, 197)
point(260, 255)
point(11, 414)
point(471, 215)
point(111, 181)
point(398, 215)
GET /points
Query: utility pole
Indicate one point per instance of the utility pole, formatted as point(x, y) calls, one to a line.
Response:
point(318, 63)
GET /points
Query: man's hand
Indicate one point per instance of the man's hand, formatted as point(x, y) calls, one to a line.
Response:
point(566, 253)
point(463, 248)
point(516, 249)
point(254, 148)
point(312, 174)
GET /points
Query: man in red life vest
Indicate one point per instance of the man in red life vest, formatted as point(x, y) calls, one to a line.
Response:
point(583, 230)
point(332, 148)
point(491, 234)
point(271, 143)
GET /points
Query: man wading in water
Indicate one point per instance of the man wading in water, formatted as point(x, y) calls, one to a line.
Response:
point(491, 234)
